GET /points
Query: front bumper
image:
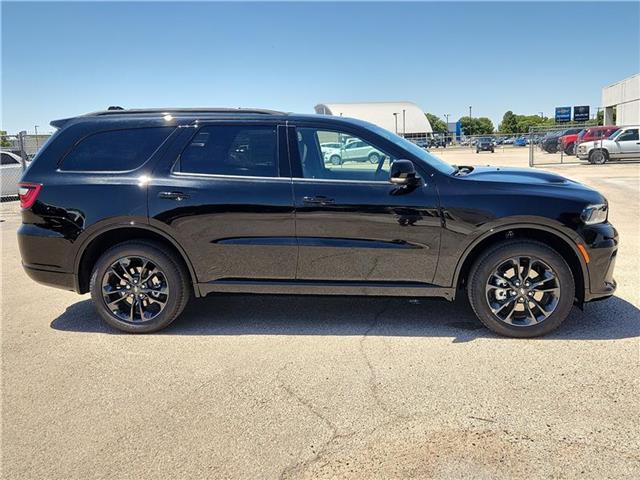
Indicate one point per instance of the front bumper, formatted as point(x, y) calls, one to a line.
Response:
point(602, 247)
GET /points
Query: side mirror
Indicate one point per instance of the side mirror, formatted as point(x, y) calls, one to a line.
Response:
point(403, 172)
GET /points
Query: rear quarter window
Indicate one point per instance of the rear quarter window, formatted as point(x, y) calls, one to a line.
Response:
point(115, 150)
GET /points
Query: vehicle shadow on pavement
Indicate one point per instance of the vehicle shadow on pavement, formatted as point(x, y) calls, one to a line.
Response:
point(612, 319)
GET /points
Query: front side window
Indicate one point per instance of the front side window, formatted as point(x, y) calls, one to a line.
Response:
point(115, 150)
point(242, 150)
point(335, 155)
point(628, 135)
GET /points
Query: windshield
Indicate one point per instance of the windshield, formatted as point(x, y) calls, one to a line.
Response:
point(412, 148)
point(615, 135)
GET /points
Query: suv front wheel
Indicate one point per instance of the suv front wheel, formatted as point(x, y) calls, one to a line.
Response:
point(598, 157)
point(138, 288)
point(521, 288)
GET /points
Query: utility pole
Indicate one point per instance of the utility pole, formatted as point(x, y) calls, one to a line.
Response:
point(395, 115)
point(36, 128)
point(470, 112)
point(541, 114)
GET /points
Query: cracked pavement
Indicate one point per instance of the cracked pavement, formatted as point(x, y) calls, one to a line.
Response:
point(324, 387)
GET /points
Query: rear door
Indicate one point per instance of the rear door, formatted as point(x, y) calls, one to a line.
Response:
point(225, 195)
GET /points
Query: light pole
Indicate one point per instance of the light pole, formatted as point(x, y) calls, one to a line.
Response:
point(36, 128)
point(470, 112)
point(404, 127)
point(446, 118)
point(541, 114)
point(395, 116)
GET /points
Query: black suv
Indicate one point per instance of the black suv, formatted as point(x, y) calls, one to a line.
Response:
point(485, 144)
point(147, 208)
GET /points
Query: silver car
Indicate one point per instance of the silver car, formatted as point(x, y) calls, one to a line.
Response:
point(11, 168)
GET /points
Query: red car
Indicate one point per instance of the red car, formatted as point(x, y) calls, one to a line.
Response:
point(568, 143)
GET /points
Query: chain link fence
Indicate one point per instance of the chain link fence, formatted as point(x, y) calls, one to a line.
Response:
point(16, 154)
point(583, 143)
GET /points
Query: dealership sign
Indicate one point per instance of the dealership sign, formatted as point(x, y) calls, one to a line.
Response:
point(563, 114)
point(581, 114)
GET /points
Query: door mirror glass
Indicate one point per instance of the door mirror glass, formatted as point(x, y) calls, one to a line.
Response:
point(403, 172)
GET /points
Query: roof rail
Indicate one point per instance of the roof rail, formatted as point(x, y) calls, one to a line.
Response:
point(163, 111)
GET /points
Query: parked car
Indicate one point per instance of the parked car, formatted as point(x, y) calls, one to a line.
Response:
point(354, 150)
point(520, 142)
point(485, 144)
point(567, 142)
point(623, 144)
point(549, 143)
point(596, 133)
point(145, 209)
point(11, 169)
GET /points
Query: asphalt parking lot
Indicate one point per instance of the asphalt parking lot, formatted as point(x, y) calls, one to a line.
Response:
point(317, 387)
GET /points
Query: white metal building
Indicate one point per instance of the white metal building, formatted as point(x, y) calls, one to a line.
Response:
point(624, 97)
point(404, 118)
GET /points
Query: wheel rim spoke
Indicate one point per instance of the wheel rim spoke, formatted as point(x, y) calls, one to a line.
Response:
point(123, 293)
point(522, 291)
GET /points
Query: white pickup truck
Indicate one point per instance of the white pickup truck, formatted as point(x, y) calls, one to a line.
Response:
point(623, 144)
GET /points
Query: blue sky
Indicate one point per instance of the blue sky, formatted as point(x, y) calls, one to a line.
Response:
point(63, 59)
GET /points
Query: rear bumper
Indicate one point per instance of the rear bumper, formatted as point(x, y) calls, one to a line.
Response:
point(66, 281)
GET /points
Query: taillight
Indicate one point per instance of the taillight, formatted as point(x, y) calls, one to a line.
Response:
point(28, 193)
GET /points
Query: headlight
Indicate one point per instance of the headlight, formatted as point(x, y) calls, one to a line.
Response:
point(593, 214)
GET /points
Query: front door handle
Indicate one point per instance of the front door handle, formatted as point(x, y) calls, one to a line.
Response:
point(173, 195)
point(318, 200)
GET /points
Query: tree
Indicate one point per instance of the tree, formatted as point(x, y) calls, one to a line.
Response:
point(476, 126)
point(514, 124)
point(3, 139)
point(484, 126)
point(437, 124)
point(509, 123)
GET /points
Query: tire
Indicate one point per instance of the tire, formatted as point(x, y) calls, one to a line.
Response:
point(170, 276)
point(526, 323)
point(335, 160)
point(598, 157)
point(374, 158)
point(568, 150)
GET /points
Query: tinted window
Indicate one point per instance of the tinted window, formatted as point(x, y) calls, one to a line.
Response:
point(247, 150)
point(354, 159)
point(8, 160)
point(115, 150)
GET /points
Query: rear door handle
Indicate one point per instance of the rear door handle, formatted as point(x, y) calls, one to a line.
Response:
point(173, 195)
point(318, 200)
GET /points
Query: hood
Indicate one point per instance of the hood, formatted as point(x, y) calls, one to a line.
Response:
point(531, 181)
point(530, 176)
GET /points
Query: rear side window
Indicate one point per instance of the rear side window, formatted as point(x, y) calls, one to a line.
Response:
point(115, 150)
point(8, 160)
point(243, 150)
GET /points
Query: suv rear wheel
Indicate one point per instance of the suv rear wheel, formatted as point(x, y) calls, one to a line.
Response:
point(136, 287)
point(521, 288)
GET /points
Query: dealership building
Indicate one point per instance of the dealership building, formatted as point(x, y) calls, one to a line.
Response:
point(623, 98)
point(403, 118)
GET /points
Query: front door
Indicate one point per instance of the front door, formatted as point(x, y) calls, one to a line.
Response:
point(629, 143)
point(227, 200)
point(352, 224)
